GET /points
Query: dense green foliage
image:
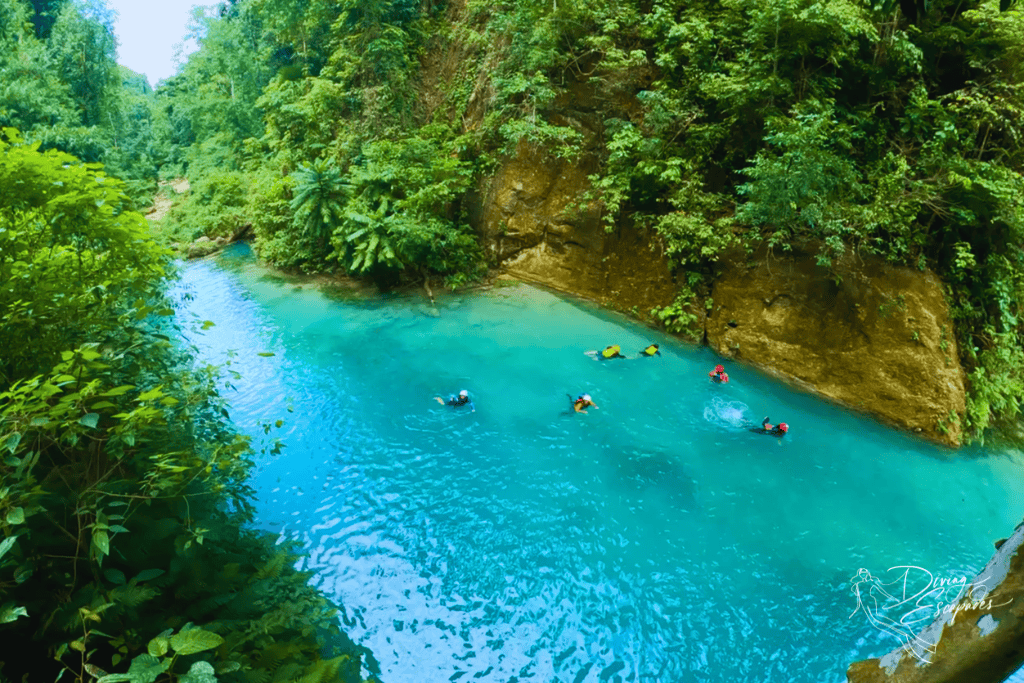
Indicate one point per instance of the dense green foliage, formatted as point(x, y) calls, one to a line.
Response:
point(61, 86)
point(839, 127)
point(124, 541)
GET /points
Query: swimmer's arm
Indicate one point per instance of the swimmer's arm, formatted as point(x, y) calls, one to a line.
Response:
point(439, 400)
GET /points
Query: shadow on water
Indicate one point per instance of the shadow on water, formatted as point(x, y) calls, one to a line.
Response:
point(660, 474)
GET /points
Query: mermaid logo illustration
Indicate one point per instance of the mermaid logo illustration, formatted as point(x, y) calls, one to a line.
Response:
point(914, 599)
point(881, 602)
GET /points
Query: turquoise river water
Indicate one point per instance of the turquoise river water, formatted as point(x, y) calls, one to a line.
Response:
point(654, 539)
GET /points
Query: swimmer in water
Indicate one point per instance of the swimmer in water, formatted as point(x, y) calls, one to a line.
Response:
point(718, 375)
point(650, 351)
point(613, 351)
point(582, 402)
point(768, 428)
point(457, 401)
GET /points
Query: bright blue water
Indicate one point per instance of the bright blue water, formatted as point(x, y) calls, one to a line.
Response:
point(655, 539)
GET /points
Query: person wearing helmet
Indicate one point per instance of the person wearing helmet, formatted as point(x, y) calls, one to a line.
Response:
point(650, 351)
point(768, 428)
point(457, 401)
point(583, 402)
point(718, 375)
point(613, 351)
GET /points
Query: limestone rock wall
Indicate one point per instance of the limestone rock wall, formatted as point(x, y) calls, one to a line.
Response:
point(879, 340)
point(534, 223)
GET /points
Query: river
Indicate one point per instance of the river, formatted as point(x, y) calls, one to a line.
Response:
point(653, 539)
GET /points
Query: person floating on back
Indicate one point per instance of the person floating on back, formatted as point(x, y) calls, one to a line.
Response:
point(457, 401)
point(718, 375)
point(768, 428)
point(650, 351)
point(613, 351)
point(583, 402)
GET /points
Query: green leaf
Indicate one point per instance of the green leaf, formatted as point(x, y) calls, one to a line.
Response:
point(265, 354)
point(147, 574)
point(10, 612)
point(201, 672)
point(23, 574)
point(151, 394)
point(12, 441)
point(207, 324)
point(90, 420)
point(94, 670)
point(117, 391)
point(6, 544)
point(16, 516)
point(101, 541)
point(146, 669)
point(115, 576)
point(191, 642)
point(158, 646)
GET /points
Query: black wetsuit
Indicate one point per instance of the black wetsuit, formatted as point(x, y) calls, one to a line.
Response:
point(774, 431)
point(459, 401)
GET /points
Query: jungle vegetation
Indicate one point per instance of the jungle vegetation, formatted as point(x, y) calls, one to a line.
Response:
point(61, 86)
point(127, 551)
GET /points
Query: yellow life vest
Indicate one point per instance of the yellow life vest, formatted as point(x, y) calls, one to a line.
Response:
point(610, 351)
point(651, 350)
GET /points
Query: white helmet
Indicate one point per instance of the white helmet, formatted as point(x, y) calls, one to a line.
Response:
point(463, 393)
point(586, 397)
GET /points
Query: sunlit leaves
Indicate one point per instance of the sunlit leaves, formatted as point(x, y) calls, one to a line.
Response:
point(803, 176)
point(194, 641)
point(10, 612)
point(64, 233)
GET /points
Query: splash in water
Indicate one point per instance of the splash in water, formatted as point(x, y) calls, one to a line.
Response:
point(727, 413)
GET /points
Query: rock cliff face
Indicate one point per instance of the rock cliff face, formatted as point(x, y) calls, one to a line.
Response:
point(530, 222)
point(879, 341)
